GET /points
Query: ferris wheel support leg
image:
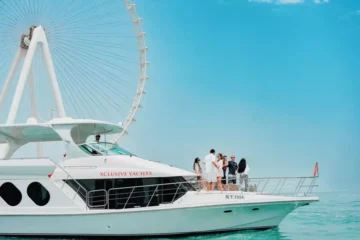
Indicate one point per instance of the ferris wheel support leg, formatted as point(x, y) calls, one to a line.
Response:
point(10, 76)
point(34, 109)
point(21, 84)
point(54, 83)
point(38, 37)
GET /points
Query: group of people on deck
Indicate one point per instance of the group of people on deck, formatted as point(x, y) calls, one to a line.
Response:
point(218, 171)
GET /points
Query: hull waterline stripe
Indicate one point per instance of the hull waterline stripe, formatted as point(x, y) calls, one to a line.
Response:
point(100, 236)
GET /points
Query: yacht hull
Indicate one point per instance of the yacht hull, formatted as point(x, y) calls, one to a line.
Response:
point(154, 221)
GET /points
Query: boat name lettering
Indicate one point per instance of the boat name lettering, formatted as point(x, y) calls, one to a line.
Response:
point(234, 196)
point(125, 174)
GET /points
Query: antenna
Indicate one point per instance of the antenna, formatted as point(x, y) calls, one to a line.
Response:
point(51, 113)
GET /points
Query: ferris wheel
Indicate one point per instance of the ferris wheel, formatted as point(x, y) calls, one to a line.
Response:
point(80, 59)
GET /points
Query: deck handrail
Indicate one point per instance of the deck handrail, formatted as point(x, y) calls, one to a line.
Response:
point(130, 195)
point(260, 185)
point(69, 177)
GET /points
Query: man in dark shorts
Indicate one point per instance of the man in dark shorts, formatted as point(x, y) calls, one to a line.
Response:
point(232, 173)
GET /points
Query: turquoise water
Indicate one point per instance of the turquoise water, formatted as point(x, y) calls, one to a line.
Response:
point(336, 216)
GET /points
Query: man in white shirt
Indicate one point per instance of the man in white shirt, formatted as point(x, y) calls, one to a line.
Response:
point(210, 169)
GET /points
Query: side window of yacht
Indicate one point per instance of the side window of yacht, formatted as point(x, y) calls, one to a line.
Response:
point(80, 191)
point(88, 150)
point(38, 194)
point(172, 189)
point(122, 193)
point(10, 194)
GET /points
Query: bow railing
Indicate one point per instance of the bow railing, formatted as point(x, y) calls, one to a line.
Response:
point(294, 186)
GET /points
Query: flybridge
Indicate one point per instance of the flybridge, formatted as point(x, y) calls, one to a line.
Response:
point(71, 131)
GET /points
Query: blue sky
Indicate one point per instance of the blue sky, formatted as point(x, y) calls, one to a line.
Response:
point(274, 81)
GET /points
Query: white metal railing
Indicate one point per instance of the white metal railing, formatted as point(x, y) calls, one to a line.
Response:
point(293, 186)
point(75, 185)
point(283, 185)
point(144, 196)
point(138, 196)
point(30, 158)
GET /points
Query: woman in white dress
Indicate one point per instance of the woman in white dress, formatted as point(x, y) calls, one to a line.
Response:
point(219, 173)
point(198, 171)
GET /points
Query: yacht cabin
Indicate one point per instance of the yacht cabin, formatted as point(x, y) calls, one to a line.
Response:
point(97, 175)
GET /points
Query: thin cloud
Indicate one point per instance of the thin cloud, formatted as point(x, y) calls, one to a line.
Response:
point(321, 1)
point(289, 1)
point(261, 1)
point(278, 1)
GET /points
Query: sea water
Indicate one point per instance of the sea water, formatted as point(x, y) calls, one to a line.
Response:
point(336, 216)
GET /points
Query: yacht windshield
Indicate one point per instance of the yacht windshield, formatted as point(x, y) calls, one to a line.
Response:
point(109, 149)
point(89, 150)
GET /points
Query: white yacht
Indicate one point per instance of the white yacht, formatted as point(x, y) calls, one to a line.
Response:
point(100, 189)
point(97, 188)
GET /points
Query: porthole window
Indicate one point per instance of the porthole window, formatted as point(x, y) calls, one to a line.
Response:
point(38, 194)
point(10, 194)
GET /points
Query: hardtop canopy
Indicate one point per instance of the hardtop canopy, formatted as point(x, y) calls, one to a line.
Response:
point(79, 129)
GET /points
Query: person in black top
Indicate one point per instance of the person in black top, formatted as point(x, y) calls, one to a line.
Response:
point(233, 167)
point(223, 179)
point(243, 170)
